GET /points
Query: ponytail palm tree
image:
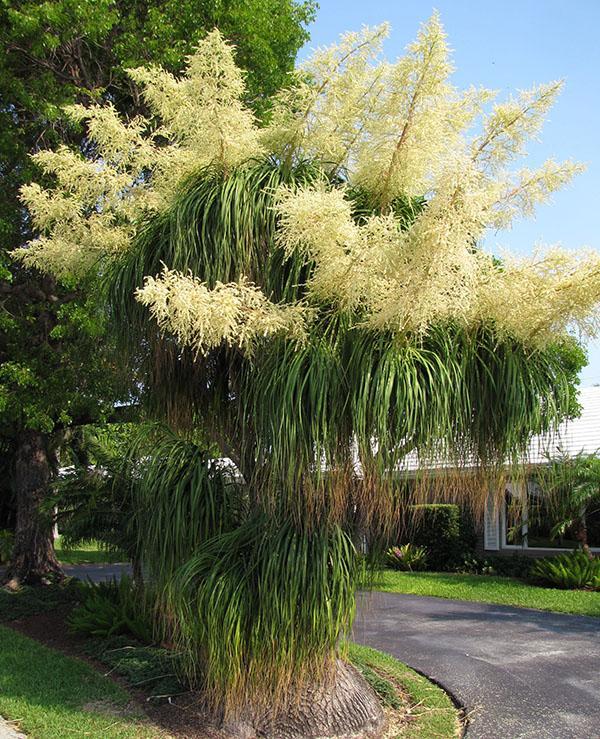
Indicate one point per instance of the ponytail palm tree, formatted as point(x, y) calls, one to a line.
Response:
point(310, 300)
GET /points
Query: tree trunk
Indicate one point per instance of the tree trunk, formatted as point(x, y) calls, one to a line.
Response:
point(582, 535)
point(34, 561)
point(345, 707)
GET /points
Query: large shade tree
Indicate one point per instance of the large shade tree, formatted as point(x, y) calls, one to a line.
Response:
point(55, 349)
point(312, 300)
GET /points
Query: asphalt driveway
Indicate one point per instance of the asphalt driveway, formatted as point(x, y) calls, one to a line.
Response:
point(98, 572)
point(519, 673)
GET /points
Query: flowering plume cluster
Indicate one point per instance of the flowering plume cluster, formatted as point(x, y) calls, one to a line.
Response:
point(393, 132)
point(544, 295)
point(202, 114)
point(238, 313)
point(98, 205)
point(410, 138)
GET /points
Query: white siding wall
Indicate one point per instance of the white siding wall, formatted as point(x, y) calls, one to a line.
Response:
point(491, 525)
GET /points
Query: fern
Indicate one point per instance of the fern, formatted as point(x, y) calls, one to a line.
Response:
point(112, 608)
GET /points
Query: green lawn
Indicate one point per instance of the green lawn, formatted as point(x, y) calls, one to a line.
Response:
point(488, 589)
point(90, 553)
point(52, 696)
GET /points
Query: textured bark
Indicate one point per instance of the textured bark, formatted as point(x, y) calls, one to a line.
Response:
point(581, 534)
point(34, 561)
point(344, 708)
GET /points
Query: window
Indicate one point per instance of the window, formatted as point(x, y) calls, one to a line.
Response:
point(527, 521)
point(514, 517)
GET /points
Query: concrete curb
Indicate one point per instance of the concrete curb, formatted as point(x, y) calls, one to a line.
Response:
point(8, 731)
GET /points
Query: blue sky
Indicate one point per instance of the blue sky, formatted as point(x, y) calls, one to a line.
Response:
point(508, 45)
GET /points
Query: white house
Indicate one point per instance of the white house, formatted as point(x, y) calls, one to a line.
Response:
point(502, 532)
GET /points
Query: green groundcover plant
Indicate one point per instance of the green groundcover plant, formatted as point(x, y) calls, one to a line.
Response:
point(490, 589)
point(76, 699)
point(307, 302)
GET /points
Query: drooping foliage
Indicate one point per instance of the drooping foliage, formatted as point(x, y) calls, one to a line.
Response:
point(318, 304)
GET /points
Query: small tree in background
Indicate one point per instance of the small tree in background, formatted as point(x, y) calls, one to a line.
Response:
point(572, 484)
point(311, 297)
point(93, 496)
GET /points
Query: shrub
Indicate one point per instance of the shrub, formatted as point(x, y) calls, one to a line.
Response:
point(7, 541)
point(111, 608)
point(468, 532)
point(517, 565)
point(569, 571)
point(408, 557)
point(437, 528)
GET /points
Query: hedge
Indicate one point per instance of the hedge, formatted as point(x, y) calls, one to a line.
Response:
point(444, 530)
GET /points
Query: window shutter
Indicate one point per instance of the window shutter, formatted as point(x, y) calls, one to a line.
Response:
point(491, 525)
